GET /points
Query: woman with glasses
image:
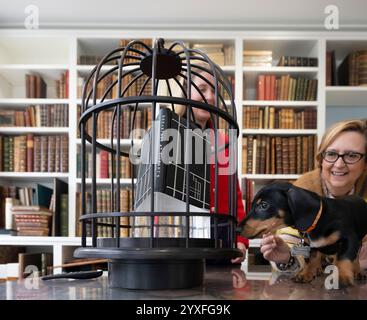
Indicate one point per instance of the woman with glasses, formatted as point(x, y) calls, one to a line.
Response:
point(342, 171)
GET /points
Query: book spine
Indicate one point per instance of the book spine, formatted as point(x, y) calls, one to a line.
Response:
point(160, 171)
point(64, 156)
point(44, 153)
point(250, 146)
point(51, 153)
point(23, 153)
point(64, 215)
point(261, 87)
point(11, 153)
point(104, 164)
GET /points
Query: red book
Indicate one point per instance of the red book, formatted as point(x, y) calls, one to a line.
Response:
point(104, 164)
point(261, 87)
point(272, 87)
point(267, 87)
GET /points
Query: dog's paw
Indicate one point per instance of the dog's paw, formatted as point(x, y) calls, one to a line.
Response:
point(304, 277)
point(360, 276)
point(346, 281)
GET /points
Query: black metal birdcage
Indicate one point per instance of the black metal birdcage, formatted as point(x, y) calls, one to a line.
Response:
point(175, 221)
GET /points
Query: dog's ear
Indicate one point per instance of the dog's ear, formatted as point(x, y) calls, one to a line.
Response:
point(304, 206)
point(280, 185)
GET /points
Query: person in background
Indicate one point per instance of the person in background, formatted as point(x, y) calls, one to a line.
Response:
point(342, 171)
point(203, 119)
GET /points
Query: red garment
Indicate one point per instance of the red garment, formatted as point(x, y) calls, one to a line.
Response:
point(223, 185)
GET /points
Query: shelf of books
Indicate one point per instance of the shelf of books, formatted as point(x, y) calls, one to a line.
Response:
point(288, 88)
point(34, 142)
point(279, 111)
point(346, 77)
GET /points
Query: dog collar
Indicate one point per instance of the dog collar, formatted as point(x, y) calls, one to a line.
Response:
point(314, 223)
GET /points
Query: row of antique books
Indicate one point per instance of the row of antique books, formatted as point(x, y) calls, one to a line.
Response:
point(49, 202)
point(104, 166)
point(264, 58)
point(36, 116)
point(34, 153)
point(62, 86)
point(131, 53)
point(170, 226)
point(219, 53)
point(285, 87)
point(257, 58)
point(138, 87)
point(87, 59)
point(262, 154)
point(224, 55)
point(255, 117)
point(104, 204)
point(292, 61)
point(350, 72)
point(32, 220)
point(36, 86)
point(353, 69)
point(143, 118)
point(24, 196)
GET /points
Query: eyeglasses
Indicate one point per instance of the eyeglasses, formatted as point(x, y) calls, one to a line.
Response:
point(348, 158)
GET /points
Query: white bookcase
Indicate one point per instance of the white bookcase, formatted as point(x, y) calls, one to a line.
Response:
point(51, 52)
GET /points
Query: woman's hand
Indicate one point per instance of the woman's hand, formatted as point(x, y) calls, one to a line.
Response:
point(242, 248)
point(274, 249)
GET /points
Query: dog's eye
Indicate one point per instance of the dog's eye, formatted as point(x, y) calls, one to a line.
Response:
point(263, 205)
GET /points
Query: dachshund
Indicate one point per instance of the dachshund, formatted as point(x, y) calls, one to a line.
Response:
point(330, 226)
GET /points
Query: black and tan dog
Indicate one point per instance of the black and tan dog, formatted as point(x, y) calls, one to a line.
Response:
point(331, 226)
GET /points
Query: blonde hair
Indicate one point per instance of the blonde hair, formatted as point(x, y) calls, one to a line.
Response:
point(356, 125)
point(178, 92)
point(181, 109)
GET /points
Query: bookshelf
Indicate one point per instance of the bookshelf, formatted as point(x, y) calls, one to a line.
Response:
point(50, 53)
point(341, 100)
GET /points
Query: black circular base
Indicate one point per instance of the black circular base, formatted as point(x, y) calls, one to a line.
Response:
point(156, 274)
point(168, 264)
